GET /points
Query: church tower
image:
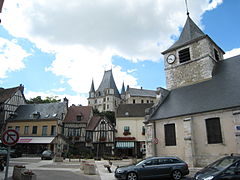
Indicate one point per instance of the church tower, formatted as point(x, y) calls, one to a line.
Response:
point(192, 58)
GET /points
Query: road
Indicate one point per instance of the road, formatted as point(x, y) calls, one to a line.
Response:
point(49, 170)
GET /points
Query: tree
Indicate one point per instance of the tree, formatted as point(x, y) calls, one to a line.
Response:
point(39, 100)
point(109, 114)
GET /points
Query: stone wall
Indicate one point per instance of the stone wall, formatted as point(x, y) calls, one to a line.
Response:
point(198, 69)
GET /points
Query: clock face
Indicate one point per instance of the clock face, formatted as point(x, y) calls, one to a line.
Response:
point(171, 58)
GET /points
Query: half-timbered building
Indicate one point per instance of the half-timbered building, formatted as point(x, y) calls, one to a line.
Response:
point(75, 124)
point(100, 136)
point(10, 100)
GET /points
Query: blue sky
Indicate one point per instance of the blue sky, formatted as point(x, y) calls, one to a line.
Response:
point(58, 50)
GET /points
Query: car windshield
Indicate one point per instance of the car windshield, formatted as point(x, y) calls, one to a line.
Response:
point(46, 152)
point(139, 162)
point(222, 163)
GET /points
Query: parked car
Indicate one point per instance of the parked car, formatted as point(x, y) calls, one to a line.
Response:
point(154, 167)
point(47, 154)
point(227, 167)
point(14, 153)
point(3, 154)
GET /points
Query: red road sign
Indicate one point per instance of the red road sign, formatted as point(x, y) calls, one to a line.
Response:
point(10, 137)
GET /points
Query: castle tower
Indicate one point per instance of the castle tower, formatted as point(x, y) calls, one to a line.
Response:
point(106, 97)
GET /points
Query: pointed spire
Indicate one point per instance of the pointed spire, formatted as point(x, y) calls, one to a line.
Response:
point(187, 7)
point(108, 82)
point(123, 89)
point(92, 87)
point(189, 33)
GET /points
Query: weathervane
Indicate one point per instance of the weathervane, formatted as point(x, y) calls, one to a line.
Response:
point(187, 7)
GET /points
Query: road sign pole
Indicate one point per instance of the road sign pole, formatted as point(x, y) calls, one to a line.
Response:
point(9, 137)
point(7, 165)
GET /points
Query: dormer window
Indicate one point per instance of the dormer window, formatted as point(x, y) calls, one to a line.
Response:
point(216, 54)
point(79, 117)
point(36, 114)
point(184, 55)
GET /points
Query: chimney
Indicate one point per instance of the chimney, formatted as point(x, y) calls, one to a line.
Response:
point(65, 100)
point(21, 88)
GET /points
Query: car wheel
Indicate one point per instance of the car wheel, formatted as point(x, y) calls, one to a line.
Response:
point(132, 176)
point(176, 175)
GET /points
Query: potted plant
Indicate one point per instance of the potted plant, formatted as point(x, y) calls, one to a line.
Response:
point(17, 171)
point(28, 175)
point(125, 133)
point(102, 139)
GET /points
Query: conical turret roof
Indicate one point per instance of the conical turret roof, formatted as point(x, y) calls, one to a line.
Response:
point(123, 89)
point(108, 83)
point(92, 89)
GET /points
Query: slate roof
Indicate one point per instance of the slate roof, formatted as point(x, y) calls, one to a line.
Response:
point(46, 110)
point(141, 92)
point(74, 111)
point(8, 93)
point(191, 32)
point(220, 92)
point(132, 110)
point(92, 89)
point(93, 123)
point(108, 82)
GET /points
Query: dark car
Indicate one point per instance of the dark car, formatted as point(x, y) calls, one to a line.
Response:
point(3, 154)
point(14, 153)
point(47, 154)
point(227, 167)
point(154, 167)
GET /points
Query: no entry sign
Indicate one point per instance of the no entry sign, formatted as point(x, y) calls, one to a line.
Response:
point(10, 137)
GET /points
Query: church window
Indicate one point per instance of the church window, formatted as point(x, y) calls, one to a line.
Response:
point(216, 54)
point(133, 101)
point(170, 135)
point(142, 101)
point(184, 55)
point(214, 134)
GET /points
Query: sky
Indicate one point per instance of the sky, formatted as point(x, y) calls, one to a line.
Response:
point(57, 47)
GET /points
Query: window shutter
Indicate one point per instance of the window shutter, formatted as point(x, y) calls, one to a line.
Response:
point(184, 55)
point(214, 133)
point(170, 135)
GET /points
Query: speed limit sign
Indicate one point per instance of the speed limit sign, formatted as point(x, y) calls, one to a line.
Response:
point(10, 137)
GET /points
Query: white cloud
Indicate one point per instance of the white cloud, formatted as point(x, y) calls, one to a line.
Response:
point(11, 57)
point(231, 53)
point(84, 35)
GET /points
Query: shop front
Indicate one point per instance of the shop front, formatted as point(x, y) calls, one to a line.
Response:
point(34, 146)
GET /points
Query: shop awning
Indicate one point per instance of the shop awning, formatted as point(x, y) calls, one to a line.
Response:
point(127, 144)
point(35, 140)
